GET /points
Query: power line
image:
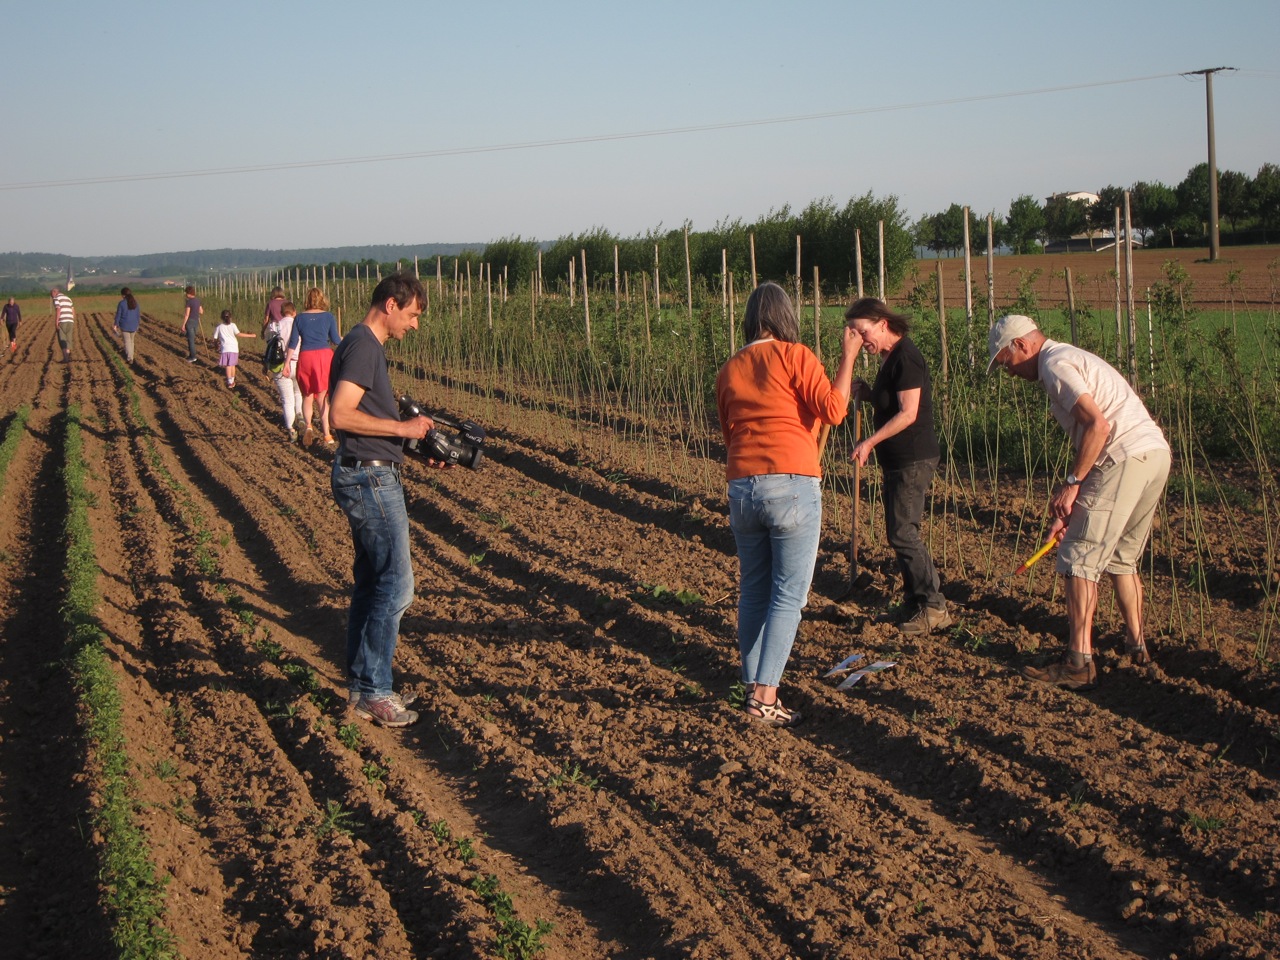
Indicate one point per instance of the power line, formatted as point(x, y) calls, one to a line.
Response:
point(570, 141)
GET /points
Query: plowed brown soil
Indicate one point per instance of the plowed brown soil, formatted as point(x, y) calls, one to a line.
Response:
point(577, 743)
point(1241, 277)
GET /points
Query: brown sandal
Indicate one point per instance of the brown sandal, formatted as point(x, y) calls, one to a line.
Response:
point(774, 714)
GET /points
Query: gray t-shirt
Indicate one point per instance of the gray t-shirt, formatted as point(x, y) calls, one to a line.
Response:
point(361, 359)
point(1068, 373)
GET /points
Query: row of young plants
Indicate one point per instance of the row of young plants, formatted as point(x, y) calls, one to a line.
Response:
point(133, 894)
point(13, 435)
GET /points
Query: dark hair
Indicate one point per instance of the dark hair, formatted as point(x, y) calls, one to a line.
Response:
point(129, 298)
point(873, 308)
point(276, 292)
point(226, 316)
point(769, 312)
point(190, 291)
point(403, 288)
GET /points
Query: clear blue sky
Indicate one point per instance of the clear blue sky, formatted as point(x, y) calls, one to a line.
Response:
point(137, 87)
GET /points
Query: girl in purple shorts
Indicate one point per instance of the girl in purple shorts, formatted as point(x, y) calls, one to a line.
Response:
point(225, 338)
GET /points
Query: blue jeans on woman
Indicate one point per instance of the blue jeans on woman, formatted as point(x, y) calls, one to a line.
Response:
point(373, 500)
point(776, 520)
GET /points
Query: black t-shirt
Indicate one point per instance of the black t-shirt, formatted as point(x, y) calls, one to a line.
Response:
point(361, 359)
point(904, 369)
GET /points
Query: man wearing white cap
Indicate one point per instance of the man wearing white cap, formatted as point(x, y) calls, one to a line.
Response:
point(1103, 512)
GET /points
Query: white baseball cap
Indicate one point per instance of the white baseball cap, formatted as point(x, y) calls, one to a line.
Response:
point(1004, 331)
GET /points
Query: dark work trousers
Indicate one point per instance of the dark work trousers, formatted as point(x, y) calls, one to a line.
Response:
point(904, 496)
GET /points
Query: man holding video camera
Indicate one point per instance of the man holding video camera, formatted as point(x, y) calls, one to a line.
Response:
point(366, 484)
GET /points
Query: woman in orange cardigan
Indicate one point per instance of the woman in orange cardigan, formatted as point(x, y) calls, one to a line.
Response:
point(772, 396)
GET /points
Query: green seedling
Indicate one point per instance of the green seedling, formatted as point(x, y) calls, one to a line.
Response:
point(973, 642)
point(683, 597)
point(1202, 824)
point(269, 649)
point(475, 559)
point(375, 774)
point(1076, 803)
point(349, 735)
point(519, 941)
point(488, 888)
point(466, 850)
point(324, 699)
point(575, 777)
point(692, 689)
point(1221, 755)
point(177, 716)
point(182, 813)
point(440, 830)
point(165, 770)
point(335, 820)
point(280, 711)
point(302, 675)
point(737, 695)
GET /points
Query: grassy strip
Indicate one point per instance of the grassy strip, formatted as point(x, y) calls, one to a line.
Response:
point(188, 513)
point(12, 437)
point(132, 893)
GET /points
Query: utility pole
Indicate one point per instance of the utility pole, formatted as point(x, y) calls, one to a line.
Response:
point(1213, 156)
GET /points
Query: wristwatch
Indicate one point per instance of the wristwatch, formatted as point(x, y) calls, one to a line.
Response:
point(1073, 480)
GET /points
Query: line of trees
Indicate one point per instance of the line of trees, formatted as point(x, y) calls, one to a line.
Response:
point(1161, 215)
point(827, 241)
point(826, 229)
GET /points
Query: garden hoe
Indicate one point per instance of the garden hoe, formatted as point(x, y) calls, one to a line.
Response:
point(1035, 557)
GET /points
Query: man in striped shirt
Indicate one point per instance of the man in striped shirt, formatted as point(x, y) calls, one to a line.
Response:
point(64, 314)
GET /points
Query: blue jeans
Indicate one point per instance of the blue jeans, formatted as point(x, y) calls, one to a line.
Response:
point(776, 519)
point(373, 500)
point(191, 338)
point(904, 495)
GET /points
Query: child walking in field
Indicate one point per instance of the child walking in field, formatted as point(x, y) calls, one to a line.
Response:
point(225, 338)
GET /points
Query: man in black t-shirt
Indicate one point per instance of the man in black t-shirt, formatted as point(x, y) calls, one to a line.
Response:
point(366, 485)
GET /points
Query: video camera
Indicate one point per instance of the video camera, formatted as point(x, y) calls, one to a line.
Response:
point(466, 448)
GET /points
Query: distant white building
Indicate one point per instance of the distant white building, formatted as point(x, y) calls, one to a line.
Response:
point(1089, 198)
point(1097, 239)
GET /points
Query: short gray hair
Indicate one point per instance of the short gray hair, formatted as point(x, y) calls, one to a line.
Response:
point(769, 312)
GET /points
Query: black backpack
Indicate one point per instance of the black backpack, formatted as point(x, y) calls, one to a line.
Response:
point(273, 355)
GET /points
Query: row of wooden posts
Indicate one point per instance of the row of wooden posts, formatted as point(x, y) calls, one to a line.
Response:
point(322, 277)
